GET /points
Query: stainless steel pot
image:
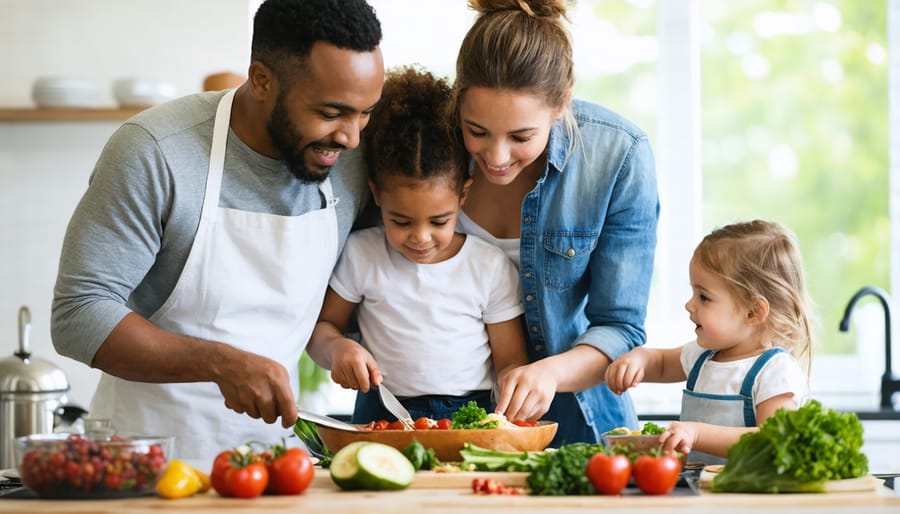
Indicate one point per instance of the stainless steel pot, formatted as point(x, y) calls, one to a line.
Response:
point(32, 390)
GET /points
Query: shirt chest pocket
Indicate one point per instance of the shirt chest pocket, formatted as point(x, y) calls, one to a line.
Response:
point(566, 257)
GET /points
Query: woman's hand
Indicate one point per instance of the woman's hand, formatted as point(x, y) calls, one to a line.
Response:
point(525, 392)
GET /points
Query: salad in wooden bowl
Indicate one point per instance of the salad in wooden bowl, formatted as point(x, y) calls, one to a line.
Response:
point(447, 442)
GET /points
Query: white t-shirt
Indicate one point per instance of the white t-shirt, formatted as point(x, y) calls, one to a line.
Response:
point(425, 323)
point(780, 375)
point(510, 246)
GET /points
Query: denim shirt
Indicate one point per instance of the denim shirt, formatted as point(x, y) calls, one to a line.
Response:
point(587, 244)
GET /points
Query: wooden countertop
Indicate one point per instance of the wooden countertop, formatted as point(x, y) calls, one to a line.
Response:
point(324, 497)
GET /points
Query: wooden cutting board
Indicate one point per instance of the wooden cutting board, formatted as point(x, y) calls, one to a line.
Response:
point(439, 480)
point(866, 483)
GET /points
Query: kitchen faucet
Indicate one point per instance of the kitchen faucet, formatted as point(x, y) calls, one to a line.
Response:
point(889, 383)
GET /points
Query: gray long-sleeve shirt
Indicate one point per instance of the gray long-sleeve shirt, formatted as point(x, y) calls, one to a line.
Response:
point(131, 233)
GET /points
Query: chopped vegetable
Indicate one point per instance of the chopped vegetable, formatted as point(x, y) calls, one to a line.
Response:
point(563, 472)
point(371, 466)
point(421, 457)
point(651, 428)
point(476, 458)
point(472, 416)
point(795, 451)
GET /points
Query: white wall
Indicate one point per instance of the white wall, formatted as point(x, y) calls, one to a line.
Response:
point(44, 167)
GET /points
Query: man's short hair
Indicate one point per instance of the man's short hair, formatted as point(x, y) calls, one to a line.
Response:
point(284, 31)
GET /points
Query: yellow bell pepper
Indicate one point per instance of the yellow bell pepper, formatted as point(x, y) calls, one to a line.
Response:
point(180, 480)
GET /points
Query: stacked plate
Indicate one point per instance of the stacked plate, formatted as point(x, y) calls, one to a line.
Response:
point(58, 92)
point(135, 92)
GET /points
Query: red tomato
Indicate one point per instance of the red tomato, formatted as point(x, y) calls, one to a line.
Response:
point(609, 474)
point(290, 471)
point(656, 474)
point(381, 424)
point(443, 424)
point(524, 423)
point(395, 425)
point(422, 424)
point(239, 474)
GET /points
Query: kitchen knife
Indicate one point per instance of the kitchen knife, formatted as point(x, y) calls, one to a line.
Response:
point(393, 405)
point(326, 421)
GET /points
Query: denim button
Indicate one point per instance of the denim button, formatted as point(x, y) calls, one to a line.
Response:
point(571, 252)
point(527, 274)
point(527, 219)
point(538, 347)
point(528, 298)
point(534, 328)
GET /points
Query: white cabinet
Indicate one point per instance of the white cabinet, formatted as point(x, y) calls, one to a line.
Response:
point(882, 445)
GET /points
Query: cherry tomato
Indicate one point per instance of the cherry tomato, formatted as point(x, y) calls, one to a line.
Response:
point(609, 474)
point(240, 473)
point(381, 424)
point(395, 425)
point(524, 423)
point(656, 474)
point(443, 424)
point(290, 471)
point(422, 424)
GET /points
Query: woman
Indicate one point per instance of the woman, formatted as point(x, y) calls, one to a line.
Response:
point(568, 190)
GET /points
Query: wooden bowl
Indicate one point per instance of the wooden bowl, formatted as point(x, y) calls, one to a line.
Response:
point(448, 443)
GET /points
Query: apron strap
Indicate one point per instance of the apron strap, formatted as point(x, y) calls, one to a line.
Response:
point(695, 371)
point(217, 156)
point(749, 380)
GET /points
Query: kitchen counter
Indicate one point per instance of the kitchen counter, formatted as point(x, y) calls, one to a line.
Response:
point(323, 496)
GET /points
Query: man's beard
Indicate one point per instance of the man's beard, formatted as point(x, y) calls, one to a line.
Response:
point(286, 140)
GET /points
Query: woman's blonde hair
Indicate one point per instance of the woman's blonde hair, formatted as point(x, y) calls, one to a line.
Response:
point(519, 45)
point(760, 259)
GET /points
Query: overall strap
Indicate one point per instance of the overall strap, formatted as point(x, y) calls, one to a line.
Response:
point(695, 371)
point(747, 386)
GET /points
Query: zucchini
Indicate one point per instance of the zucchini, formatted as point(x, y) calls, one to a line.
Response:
point(371, 466)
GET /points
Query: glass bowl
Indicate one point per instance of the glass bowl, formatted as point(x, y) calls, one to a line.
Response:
point(79, 466)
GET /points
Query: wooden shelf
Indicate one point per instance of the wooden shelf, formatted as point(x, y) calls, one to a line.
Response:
point(28, 114)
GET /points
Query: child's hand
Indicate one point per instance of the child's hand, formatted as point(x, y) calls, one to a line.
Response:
point(355, 368)
point(680, 436)
point(525, 392)
point(627, 371)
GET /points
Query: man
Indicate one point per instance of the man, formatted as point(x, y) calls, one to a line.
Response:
point(194, 267)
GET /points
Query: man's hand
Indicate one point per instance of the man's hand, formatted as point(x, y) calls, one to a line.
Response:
point(260, 388)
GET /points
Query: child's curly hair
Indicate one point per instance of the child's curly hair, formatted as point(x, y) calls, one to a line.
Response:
point(409, 134)
point(760, 259)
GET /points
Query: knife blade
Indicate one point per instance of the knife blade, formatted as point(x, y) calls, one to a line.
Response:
point(393, 405)
point(326, 421)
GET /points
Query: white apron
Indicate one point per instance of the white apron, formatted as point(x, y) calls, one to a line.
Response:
point(729, 410)
point(252, 280)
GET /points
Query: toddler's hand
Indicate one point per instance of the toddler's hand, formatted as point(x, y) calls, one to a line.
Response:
point(627, 371)
point(679, 436)
point(525, 392)
point(355, 368)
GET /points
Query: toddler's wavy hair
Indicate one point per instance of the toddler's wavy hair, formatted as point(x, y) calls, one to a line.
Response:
point(761, 259)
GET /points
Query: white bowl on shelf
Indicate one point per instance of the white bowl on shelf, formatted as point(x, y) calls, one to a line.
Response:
point(64, 92)
point(136, 92)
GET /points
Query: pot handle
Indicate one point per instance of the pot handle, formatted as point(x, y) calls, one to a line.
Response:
point(24, 332)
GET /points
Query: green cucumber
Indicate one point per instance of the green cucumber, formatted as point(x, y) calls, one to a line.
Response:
point(371, 466)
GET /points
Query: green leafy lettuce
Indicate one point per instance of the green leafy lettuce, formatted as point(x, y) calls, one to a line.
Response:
point(471, 416)
point(795, 451)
